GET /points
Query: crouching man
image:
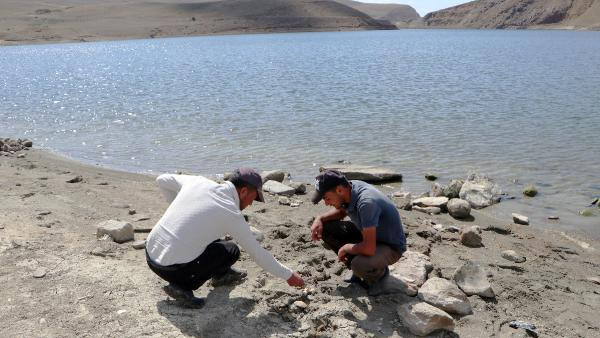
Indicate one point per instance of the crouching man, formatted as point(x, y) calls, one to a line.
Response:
point(373, 240)
point(184, 248)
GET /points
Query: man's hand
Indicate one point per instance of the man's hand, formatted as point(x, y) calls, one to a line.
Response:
point(343, 252)
point(316, 229)
point(295, 280)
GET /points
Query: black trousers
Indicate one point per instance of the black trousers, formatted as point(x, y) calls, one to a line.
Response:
point(338, 233)
point(216, 260)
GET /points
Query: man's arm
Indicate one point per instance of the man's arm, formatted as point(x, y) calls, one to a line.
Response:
point(170, 185)
point(365, 248)
point(316, 229)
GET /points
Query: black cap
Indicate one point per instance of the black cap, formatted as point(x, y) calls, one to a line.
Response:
point(251, 177)
point(326, 181)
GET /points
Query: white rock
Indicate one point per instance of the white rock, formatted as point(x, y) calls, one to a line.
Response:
point(480, 192)
point(119, 231)
point(520, 219)
point(364, 172)
point(277, 188)
point(39, 273)
point(257, 234)
point(402, 201)
point(445, 295)
point(512, 256)
point(413, 267)
point(284, 200)
point(427, 210)
point(141, 244)
point(458, 208)
point(423, 319)
point(391, 284)
point(438, 202)
point(473, 280)
point(120, 312)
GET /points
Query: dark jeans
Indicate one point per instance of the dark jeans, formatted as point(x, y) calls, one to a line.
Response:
point(370, 268)
point(216, 260)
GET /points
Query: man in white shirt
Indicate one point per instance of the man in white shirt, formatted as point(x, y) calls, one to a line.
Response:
point(184, 247)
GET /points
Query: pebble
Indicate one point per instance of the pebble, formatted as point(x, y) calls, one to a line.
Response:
point(1, 227)
point(143, 218)
point(39, 273)
point(139, 244)
point(284, 201)
point(471, 237)
point(120, 205)
point(42, 321)
point(595, 280)
point(120, 312)
point(300, 304)
point(520, 219)
point(512, 256)
point(530, 191)
point(554, 218)
point(431, 176)
point(21, 156)
point(132, 211)
point(75, 179)
point(18, 184)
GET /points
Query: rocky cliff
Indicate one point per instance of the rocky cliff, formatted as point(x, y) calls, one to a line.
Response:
point(396, 14)
point(567, 14)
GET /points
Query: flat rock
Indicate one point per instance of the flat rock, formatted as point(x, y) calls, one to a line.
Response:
point(458, 208)
point(445, 295)
point(402, 201)
point(512, 256)
point(39, 273)
point(471, 237)
point(278, 188)
point(141, 244)
point(75, 179)
point(427, 210)
point(437, 202)
point(473, 280)
point(364, 172)
point(273, 175)
point(480, 192)
point(520, 219)
point(413, 267)
point(119, 231)
point(423, 319)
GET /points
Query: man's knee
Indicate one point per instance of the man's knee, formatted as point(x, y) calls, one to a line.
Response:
point(233, 251)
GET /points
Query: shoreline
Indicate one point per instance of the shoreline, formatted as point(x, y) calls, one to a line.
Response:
point(95, 287)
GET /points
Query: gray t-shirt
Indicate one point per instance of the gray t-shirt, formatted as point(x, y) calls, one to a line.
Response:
point(369, 207)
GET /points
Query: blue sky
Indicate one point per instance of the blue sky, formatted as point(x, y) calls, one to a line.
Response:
point(422, 6)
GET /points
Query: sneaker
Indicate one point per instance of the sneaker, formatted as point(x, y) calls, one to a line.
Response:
point(183, 296)
point(354, 279)
point(231, 277)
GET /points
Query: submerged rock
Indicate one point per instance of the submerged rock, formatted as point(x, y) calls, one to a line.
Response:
point(431, 176)
point(273, 175)
point(423, 319)
point(364, 172)
point(445, 295)
point(530, 191)
point(473, 280)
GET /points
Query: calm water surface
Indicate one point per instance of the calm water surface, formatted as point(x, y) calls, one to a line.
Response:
point(520, 106)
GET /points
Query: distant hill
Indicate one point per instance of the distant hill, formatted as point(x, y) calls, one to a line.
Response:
point(393, 13)
point(570, 14)
point(26, 21)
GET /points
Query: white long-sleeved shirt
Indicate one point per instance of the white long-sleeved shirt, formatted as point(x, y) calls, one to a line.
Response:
point(200, 212)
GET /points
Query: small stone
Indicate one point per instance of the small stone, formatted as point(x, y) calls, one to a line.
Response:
point(284, 201)
point(277, 188)
point(586, 212)
point(27, 143)
point(299, 186)
point(530, 191)
point(39, 273)
point(132, 211)
point(120, 205)
point(141, 244)
point(119, 231)
point(595, 280)
point(520, 219)
point(554, 218)
point(142, 218)
point(458, 208)
point(257, 234)
point(18, 184)
point(120, 312)
point(512, 256)
point(1, 227)
point(294, 204)
point(103, 183)
point(300, 304)
point(21, 155)
point(431, 176)
point(471, 237)
point(75, 179)
point(44, 213)
point(452, 228)
point(42, 321)
point(438, 202)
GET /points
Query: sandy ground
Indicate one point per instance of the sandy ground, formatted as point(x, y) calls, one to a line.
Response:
point(89, 287)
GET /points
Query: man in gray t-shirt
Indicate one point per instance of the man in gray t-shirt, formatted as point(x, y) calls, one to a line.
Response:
point(373, 240)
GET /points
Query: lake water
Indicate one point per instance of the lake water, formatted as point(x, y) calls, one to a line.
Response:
point(519, 106)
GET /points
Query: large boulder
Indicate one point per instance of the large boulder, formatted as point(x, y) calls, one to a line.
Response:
point(364, 172)
point(458, 208)
point(273, 175)
point(413, 267)
point(437, 202)
point(278, 188)
point(445, 295)
point(119, 231)
point(480, 192)
point(423, 319)
point(473, 280)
